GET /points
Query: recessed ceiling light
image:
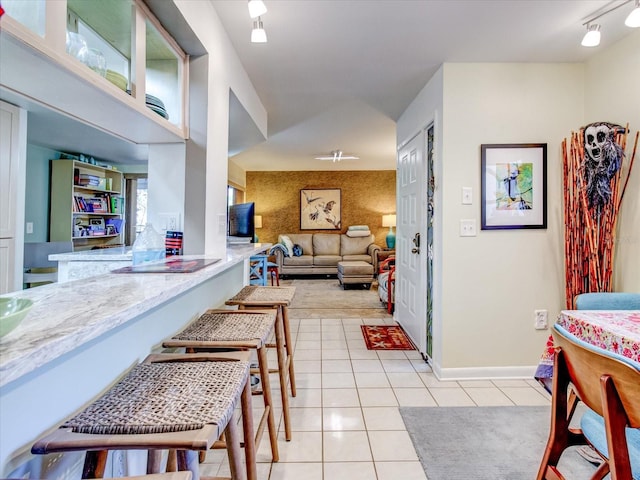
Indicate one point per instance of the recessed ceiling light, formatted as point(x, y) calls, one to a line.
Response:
point(336, 156)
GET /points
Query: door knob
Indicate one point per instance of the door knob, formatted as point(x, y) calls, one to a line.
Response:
point(415, 250)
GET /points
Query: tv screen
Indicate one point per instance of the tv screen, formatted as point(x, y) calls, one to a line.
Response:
point(241, 220)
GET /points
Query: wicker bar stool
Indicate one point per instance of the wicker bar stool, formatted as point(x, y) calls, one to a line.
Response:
point(256, 297)
point(162, 405)
point(236, 329)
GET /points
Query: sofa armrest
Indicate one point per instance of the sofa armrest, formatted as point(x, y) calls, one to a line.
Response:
point(373, 251)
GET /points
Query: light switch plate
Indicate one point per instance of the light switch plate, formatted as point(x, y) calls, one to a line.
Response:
point(467, 195)
point(468, 228)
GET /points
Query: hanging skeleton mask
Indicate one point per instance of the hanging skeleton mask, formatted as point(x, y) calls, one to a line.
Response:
point(603, 158)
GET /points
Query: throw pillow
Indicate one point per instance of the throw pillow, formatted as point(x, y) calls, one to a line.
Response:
point(286, 241)
point(297, 250)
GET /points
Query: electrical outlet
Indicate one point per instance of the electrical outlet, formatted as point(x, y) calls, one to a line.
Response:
point(541, 322)
point(467, 228)
point(29, 227)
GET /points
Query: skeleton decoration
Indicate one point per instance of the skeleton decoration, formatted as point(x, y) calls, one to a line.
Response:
point(603, 158)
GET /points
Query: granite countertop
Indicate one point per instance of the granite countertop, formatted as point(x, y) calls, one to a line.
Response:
point(99, 255)
point(67, 315)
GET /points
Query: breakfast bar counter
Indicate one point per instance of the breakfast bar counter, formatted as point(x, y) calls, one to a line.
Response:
point(81, 336)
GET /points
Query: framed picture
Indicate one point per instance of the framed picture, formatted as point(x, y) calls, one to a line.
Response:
point(514, 186)
point(320, 209)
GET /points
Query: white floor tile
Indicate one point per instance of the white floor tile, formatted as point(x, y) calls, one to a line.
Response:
point(414, 397)
point(485, 397)
point(397, 366)
point(383, 418)
point(367, 366)
point(346, 447)
point(340, 397)
point(392, 446)
point(349, 471)
point(308, 345)
point(371, 380)
point(400, 470)
point(377, 397)
point(451, 397)
point(338, 380)
point(510, 383)
point(338, 354)
point(391, 354)
point(526, 396)
point(296, 471)
point(363, 354)
point(308, 366)
point(336, 366)
point(303, 447)
point(304, 380)
point(342, 419)
point(334, 344)
point(301, 354)
point(431, 381)
point(306, 419)
point(405, 380)
point(306, 397)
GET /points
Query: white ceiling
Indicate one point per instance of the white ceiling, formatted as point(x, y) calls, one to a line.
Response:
point(337, 74)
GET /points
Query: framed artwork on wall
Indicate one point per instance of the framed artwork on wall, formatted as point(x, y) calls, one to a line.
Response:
point(514, 186)
point(320, 209)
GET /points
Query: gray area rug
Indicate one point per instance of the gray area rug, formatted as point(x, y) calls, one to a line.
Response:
point(478, 443)
point(328, 294)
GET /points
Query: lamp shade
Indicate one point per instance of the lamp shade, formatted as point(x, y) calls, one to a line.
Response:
point(388, 220)
point(633, 20)
point(256, 8)
point(258, 34)
point(592, 37)
point(257, 221)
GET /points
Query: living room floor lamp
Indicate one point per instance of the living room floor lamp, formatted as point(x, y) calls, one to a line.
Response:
point(390, 221)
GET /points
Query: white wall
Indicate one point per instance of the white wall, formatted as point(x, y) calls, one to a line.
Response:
point(492, 283)
point(225, 73)
point(617, 71)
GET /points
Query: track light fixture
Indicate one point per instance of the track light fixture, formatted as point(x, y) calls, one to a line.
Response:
point(258, 35)
point(592, 37)
point(633, 19)
point(256, 8)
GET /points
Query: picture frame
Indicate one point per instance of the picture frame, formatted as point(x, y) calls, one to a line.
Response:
point(320, 209)
point(514, 186)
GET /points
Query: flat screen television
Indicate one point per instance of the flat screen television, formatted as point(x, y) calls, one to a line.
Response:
point(240, 225)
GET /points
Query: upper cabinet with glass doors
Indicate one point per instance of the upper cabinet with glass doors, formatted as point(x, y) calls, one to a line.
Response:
point(117, 46)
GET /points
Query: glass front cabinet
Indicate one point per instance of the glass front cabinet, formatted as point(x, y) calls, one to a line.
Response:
point(117, 46)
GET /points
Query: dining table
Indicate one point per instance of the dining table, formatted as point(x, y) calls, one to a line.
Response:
point(616, 331)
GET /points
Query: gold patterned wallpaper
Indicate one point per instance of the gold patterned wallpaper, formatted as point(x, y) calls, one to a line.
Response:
point(365, 195)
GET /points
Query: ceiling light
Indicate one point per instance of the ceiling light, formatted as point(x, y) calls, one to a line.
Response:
point(256, 8)
point(592, 37)
point(633, 20)
point(336, 156)
point(258, 35)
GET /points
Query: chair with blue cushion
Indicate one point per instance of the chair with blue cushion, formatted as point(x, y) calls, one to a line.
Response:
point(608, 301)
point(609, 385)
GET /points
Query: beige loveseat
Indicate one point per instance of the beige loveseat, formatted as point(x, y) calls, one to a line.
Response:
point(321, 253)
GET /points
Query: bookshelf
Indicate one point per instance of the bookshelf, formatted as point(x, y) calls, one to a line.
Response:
point(87, 205)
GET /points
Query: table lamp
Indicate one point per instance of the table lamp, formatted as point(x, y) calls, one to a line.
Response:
point(257, 223)
point(390, 221)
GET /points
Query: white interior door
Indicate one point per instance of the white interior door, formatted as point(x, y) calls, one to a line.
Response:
point(410, 306)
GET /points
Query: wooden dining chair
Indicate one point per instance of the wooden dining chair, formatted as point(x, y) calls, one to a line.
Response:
point(609, 385)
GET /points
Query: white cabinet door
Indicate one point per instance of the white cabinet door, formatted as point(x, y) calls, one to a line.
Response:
point(6, 265)
point(13, 147)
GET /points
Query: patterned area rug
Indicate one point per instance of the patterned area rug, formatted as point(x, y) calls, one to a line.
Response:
point(378, 337)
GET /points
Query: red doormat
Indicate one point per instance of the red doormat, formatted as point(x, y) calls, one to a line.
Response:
point(378, 337)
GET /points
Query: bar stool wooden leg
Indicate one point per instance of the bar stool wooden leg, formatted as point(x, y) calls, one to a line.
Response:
point(154, 461)
point(232, 437)
point(188, 460)
point(284, 311)
point(95, 462)
point(247, 430)
point(268, 403)
point(283, 373)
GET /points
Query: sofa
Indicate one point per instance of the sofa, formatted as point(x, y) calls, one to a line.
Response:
point(321, 252)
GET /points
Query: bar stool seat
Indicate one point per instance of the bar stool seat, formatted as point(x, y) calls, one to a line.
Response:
point(257, 297)
point(235, 329)
point(184, 406)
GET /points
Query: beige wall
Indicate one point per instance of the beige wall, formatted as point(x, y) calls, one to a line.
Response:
point(617, 70)
point(366, 196)
point(492, 283)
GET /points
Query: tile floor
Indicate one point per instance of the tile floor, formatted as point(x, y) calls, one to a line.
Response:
point(345, 418)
